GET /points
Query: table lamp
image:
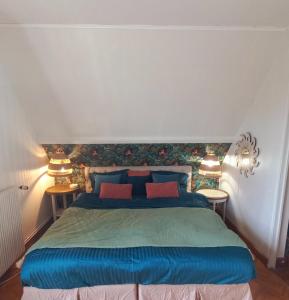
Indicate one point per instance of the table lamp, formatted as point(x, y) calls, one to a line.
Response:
point(210, 166)
point(60, 165)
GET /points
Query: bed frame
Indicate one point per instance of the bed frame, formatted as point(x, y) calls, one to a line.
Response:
point(179, 169)
point(142, 292)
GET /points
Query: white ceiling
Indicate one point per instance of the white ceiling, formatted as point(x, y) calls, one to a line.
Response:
point(147, 12)
point(97, 85)
point(94, 83)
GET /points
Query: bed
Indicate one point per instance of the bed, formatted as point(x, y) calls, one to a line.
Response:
point(138, 249)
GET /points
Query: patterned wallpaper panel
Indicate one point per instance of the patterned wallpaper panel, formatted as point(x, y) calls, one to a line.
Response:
point(139, 155)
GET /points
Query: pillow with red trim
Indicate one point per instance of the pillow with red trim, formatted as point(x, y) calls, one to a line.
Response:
point(162, 190)
point(115, 191)
point(138, 173)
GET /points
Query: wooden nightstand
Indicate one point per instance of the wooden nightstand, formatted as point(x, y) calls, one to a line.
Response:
point(216, 197)
point(61, 190)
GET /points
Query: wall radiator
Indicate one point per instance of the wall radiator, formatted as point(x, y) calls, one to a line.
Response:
point(11, 237)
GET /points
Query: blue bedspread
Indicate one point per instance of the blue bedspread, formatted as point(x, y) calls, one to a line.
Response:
point(91, 201)
point(71, 267)
point(80, 267)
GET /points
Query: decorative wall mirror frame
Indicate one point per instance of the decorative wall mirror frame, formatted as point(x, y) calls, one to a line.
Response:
point(247, 154)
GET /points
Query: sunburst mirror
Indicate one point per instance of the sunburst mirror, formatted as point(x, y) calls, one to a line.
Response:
point(247, 154)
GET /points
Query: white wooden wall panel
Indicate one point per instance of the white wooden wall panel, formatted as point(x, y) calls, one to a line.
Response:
point(22, 161)
point(11, 239)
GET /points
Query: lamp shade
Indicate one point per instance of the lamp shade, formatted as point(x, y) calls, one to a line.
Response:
point(210, 166)
point(59, 165)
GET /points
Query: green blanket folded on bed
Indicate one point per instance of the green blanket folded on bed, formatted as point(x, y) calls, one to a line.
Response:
point(123, 228)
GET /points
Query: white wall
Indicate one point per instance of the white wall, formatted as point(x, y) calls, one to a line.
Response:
point(86, 84)
point(93, 84)
point(255, 202)
point(22, 160)
point(149, 12)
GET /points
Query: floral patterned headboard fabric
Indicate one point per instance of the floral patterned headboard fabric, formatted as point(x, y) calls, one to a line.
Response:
point(94, 155)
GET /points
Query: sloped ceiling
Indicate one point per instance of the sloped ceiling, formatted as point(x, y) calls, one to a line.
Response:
point(194, 80)
point(110, 85)
point(148, 12)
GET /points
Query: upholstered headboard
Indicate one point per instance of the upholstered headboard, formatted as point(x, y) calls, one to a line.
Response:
point(179, 169)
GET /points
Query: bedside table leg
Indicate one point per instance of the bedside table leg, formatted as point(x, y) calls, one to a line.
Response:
point(64, 201)
point(74, 196)
point(224, 210)
point(214, 206)
point(53, 202)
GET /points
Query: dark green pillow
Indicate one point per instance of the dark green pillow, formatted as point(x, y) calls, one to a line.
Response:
point(166, 176)
point(123, 174)
point(139, 184)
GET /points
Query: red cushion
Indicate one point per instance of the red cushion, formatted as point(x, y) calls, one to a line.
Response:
point(115, 191)
point(138, 173)
point(162, 190)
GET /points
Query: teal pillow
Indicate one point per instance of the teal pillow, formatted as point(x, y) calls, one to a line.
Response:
point(167, 176)
point(99, 179)
point(123, 174)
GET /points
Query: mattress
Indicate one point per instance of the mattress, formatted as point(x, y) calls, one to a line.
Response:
point(165, 241)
